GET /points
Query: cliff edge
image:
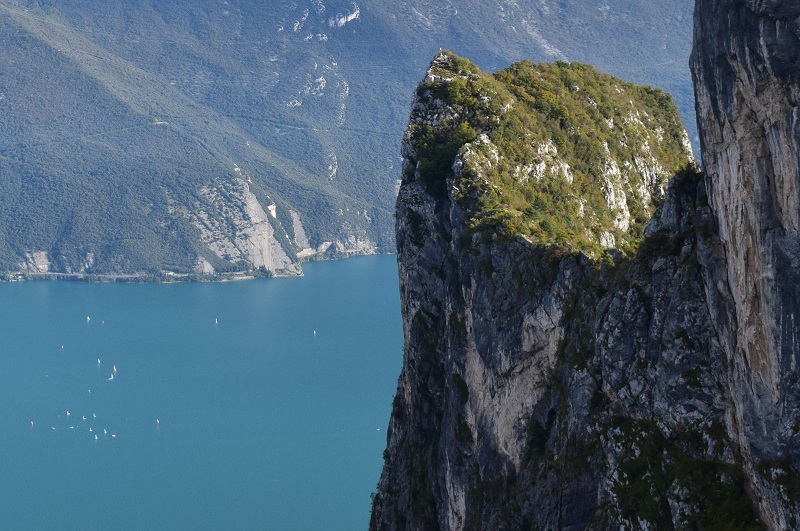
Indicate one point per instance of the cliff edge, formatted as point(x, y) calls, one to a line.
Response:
point(598, 335)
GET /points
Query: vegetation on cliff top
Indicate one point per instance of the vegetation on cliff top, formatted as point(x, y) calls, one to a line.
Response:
point(560, 153)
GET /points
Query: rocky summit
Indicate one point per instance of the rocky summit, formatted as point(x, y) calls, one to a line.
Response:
point(599, 335)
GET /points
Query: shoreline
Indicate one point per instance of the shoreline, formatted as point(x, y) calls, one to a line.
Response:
point(140, 278)
point(164, 276)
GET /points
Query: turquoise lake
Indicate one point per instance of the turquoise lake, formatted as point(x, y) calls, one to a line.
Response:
point(247, 405)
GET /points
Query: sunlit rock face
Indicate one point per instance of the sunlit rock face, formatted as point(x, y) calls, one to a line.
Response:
point(746, 65)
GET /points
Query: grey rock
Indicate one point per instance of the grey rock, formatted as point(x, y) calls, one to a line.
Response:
point(543, 390)
point(746, 67)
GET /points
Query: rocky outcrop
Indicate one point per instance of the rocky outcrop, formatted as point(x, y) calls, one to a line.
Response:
point(36, 261)
point(545, 386)
point(236, 228)
point(745, 66)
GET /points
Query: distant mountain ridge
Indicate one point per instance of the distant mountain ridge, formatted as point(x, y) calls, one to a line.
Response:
point(205, 137)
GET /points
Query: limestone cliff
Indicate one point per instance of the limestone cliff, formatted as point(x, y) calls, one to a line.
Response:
point(238, 231)
point(568, 365)
point(746, 66)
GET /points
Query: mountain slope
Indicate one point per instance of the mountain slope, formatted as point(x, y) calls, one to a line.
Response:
point(301, 105)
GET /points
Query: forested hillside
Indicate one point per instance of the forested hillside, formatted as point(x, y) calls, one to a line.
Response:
point(211, 136)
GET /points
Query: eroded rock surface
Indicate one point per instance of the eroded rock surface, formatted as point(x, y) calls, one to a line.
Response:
point(654, 387)
point(746, 66)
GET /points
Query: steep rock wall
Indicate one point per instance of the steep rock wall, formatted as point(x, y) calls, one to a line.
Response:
point(546, 386)
point(545, 389)
point(746, 66)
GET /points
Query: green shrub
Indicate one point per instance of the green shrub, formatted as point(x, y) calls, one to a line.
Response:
point(570, 118)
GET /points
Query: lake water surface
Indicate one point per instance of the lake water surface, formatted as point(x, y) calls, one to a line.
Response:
point(248, 405)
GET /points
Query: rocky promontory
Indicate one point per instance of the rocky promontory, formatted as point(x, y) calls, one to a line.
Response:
point(598, 334)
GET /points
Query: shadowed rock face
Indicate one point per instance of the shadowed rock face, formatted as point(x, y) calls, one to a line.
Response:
point(545, 389)
point(746, 67)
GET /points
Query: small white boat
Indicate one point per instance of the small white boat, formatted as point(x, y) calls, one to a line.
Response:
point(111, 376)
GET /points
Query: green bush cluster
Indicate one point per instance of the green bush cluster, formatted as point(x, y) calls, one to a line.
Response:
point(716, 491)
point(547, 113)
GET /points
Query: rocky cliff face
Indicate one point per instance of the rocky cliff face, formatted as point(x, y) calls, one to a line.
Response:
point(548, 384)
point(745, 66)
point(234, 226)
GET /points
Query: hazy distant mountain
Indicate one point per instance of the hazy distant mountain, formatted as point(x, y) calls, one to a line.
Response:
point(208, 135)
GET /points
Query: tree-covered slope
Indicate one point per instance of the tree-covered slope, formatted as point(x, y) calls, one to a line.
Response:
point(134, 134)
